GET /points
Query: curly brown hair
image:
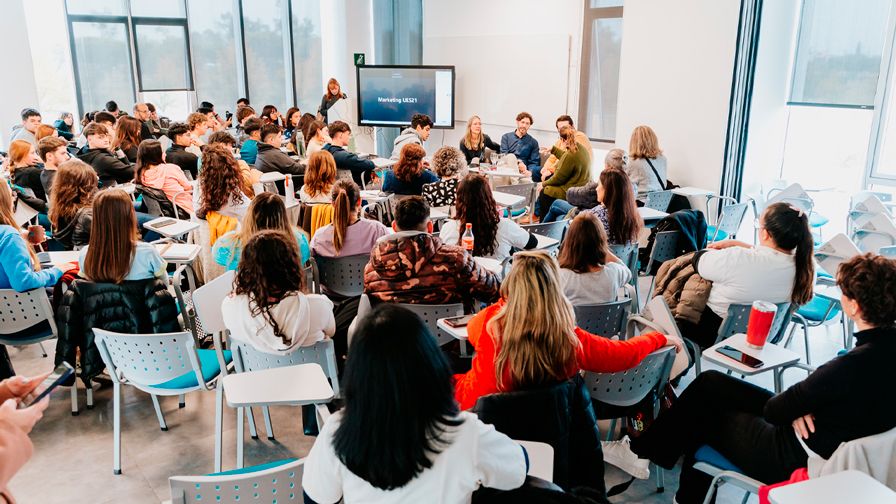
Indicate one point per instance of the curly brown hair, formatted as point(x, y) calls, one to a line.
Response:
point(74, 186)
point(409, 164)
point(220, 182)
point(269, 271)
point(476, 205)
point(868, 279)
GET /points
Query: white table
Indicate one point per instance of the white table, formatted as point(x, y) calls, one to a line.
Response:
point(545, 242)
point(374, 196)
point(438, 213)
point(503, 172)
point(459, 333)
point(382, 163)
point(490, 264)
point(178, 253)
point(650, 214)
point(506, 199)
point(774, 358)
point(129, 187)
point(690, 191)
point(290, 385)
point(53, 258)
point(177, 229)
point(837, 488)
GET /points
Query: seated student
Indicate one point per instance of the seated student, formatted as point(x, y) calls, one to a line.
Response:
point(115, 254)
point(413, 266)
point(319, 178)
point(435, 452)
point(316, 136)
point(450, 166)
point(340, 134)
point(197, 122)
point(221, 184)
point(112, 108)
point(154, 172)
point(348, 234)
point(110, 169)
point(249, 175)
point(144, 116)
point(26, 131)
point(154, 123)
point(291, 123)
point(25, 169)
point(44, 131)
point(418, 133)
point(127, 138)
point(270, 158)
point(493, 236)
point(585, 197)
point(177, 153)
point(270, 307)
point(533, 315)
point(589, 272)
point(780, 269)
point(550, 164)
point(523, 146)
point(474, 142)
point(53, 151)
point(249, 146)
point(64, 126)
point(270, 115)
point(266, 211)
point(71, 204)
point(243, 114)
point(572, 171)
point(769, 436)
point(647, 165)
point(408, 175)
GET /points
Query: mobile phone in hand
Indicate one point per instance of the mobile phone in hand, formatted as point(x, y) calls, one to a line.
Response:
point(63, 372)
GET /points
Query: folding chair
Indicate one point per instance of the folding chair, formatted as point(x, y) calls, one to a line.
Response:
point(665, 247)
point(343, 276)
point(281, 477)
point(604, 319)
point(520, 210)
point(730, 218)
point(659, 200)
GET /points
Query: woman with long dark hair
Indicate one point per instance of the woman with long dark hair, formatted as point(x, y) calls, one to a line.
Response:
point(291, 122)
point(617, 210)
point(348, 234)
point(589, 272)
point(494, 236)
point(408, 176)
point(270, 307)
point(400, 437)
point(152, 171)
point(71, 203)
point(316, 136)
point(270, 115)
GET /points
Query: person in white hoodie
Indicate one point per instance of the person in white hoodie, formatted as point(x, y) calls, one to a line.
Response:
point(268, 307)
point(421, 124)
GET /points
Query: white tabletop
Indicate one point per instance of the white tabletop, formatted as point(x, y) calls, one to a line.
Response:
point(179, 228)
point(177, 253)
point(490, 264)
point(456, 332)
point(438, 213)
point(382, 162)
point(837, 488)
point(771, 355)
point(692, 191)
point(650, 214)
point(129, 187)
point(506, 199)
point(271, 177)
point(544, 241)
point(373, 196)
point(54, 258)
point(503, 172)
point(293, 385)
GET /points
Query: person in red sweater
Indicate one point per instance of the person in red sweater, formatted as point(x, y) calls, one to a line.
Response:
point(529, 337)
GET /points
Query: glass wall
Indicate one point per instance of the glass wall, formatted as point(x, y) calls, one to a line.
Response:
point(601, 50)
point(267, 53)
point(49, 42)
point(214, 35)
point(102, 60)
point(306, 41)
point(162, 57)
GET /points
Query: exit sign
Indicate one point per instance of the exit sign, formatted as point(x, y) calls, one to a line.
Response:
point(359, 59)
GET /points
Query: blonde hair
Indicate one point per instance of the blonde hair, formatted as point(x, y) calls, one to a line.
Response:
point(616, 158)
point(568, 135)
point(7, 217)
point(468, 135)
point(535, 329)
point(644, 144)
point(321, 173)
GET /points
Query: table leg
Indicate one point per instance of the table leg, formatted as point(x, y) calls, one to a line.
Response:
point(239, 438)
point(779, 380)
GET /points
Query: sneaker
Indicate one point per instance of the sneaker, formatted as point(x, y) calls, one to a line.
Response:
point(620, 454)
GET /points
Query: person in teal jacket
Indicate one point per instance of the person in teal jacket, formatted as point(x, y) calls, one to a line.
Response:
point(572, 170)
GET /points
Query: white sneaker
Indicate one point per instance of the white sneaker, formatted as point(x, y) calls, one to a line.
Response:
point(620, 454)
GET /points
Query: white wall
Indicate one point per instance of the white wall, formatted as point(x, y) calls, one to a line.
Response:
point(675, 76)
point(17, 88)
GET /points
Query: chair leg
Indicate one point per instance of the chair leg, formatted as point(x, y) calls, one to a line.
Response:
point(746, 498)
point(253, 433)
point(219, 424)
point(116, 427)
point(806, 342)
point(42, 350)
point(182, 401)
point(75, 399)
point(267, 422)
point(89, 396)
point(161, 417)
point(660, 479)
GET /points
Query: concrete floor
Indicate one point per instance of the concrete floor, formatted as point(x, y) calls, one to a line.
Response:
point(72, 461)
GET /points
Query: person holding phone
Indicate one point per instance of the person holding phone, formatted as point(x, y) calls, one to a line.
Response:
point(769, 436)
point(16, 423)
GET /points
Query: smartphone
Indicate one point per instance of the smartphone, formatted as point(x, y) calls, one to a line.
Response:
point(227, 115)
point(741, 357)
point(163, 223)
point(59, 375)
point(460, 321)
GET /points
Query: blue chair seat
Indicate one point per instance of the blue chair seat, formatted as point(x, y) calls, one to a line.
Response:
point(817, 220)
point(822, 274)
point(40, 330)
point(711, 231)
point(255, 468)
point(210, 369)
point(816, 308)
point(710, 456)
point(516, 212)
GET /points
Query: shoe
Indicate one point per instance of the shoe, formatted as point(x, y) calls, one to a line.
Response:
point(620, 454)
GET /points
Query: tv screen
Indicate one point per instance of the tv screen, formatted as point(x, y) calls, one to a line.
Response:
point(391, 95)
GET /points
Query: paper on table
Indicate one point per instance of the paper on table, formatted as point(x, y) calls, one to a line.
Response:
point(176, 250)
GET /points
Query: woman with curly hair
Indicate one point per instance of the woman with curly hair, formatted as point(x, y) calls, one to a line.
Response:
point(450, 165)
point(71, 215)
point(269, 308)
point(320, 175)
point(493, 236)
point(221, 184)
point(409, 175)
point(127, 138)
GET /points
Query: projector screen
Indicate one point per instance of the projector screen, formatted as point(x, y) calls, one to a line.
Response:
point(391, 95)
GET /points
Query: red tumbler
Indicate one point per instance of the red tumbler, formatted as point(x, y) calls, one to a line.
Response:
point(761, 316)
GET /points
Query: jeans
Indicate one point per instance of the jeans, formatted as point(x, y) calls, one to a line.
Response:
point(148, 236)
point(542, 203)
point(559, 208)
point(725, 413)
point(536, 172)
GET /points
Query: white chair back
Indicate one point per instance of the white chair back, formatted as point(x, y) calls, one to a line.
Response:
point(24, 310)
point(281, 483)
point(207, 302)
point(541, 459)
point(148, 360)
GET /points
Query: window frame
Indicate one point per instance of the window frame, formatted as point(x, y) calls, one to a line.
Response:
point(884, 98)
point(71, 19)
point(591, 14)
point(156, 21)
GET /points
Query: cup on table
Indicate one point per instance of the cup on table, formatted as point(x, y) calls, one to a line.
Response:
point(760, 323)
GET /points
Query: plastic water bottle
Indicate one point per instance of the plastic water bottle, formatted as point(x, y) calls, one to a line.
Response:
point(467, 239)
point(290, 197)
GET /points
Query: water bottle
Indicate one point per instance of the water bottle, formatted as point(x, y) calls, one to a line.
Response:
point(467, 239)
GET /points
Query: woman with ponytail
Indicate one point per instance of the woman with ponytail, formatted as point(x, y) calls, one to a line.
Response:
point(778, 270)
point(349, 234)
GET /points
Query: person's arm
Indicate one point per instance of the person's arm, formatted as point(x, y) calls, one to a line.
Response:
point(533, 160)
point(16, 264)
point(713, 265)
point(500, 462)
point(490, 144)
point(562, 173)
point(505, 143)
point(322, 477)
point(15, 450)
point(827, 385)
point(117, 169)
point(483, 284)
point(620, 271)
point(519, 237)
point(603, 355)
point(358, 165)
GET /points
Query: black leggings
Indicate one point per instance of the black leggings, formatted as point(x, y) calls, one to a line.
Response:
point(543, 204)
point(704, 332)
point(725, 413)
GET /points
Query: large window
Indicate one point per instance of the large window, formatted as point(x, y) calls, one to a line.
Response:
point(839, 52)
point(307, 54)
point(102, 60)
point(163, 57)
point(601, 49)
point(214, 39)
point(266, 32)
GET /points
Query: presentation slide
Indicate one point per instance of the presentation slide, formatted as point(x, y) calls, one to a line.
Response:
point(390, 96)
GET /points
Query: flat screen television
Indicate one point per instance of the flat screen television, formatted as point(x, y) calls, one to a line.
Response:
point(390, 95)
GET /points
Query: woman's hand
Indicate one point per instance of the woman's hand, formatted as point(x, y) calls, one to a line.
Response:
point(728, 244)
point(24, 418)
point(65, 267)
point(674, 342)
point(20, 386)
point(522, 167)
point(804, 425)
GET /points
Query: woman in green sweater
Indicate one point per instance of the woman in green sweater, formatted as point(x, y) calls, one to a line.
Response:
point(572, 170)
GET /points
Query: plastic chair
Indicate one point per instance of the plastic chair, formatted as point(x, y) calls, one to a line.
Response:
point(659, 200)
point(555, 230)
point(820, 310)
point(267, 483)
point(730, 218)
point(628, 254)
point(541, 459)
point(604, 319)
point(525, 190)
point(889, 252)
point(628, 388)
point(665, 247)
point(344, 175)
point(431, 313)
point(159, 364)
point(343, 276)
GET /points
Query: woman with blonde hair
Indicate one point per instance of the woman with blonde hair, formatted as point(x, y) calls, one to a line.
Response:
point(474, 142)
point(647, 166)
point(408, 176)
point(71, 200)
point(529, 338)
point(334, 94)
point(320, 175)
point(450, 165)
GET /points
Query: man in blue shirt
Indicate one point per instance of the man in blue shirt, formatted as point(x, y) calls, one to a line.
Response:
point(523, 146)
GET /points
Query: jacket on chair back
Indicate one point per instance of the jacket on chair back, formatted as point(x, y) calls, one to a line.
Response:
point(131, 307)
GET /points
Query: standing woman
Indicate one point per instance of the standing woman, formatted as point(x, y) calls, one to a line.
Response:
point(572, 170)
point(334, 94)
point(474, 142)
point(127, 138)
point(348, 234)
point(450, 165)
point(153, 171)
point(408, 176)
point(647, 165)
point(71, 203)
point(320, 175)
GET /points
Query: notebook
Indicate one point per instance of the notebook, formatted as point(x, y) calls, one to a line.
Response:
point(176, 251)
